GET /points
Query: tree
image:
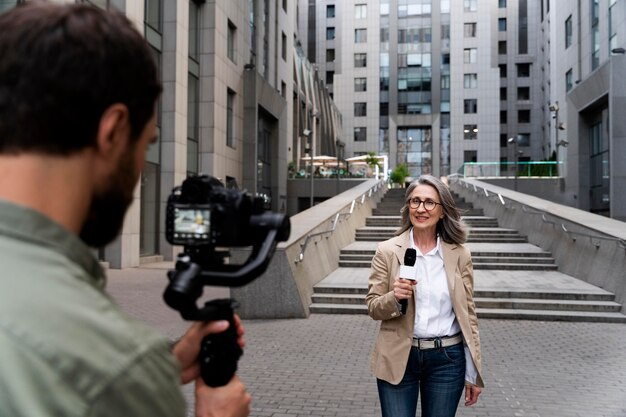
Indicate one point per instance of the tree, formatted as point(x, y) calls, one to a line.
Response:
point(399, 174)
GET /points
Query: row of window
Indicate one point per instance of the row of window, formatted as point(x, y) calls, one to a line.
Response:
point(406, 9)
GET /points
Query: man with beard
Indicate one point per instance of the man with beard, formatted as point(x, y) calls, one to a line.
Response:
point(78, 89)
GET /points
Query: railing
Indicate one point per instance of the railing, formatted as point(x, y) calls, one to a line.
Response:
point(514, 205)
point(337, 219)
point(508, 169)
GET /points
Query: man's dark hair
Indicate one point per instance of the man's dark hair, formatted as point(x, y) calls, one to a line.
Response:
point(61, 67)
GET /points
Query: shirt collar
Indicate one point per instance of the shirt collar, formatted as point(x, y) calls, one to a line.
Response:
point(434, 251)
point(28, 225)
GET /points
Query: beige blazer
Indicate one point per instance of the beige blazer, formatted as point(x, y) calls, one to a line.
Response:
point(391, 351)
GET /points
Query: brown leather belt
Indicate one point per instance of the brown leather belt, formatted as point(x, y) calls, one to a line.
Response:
point(437, 342)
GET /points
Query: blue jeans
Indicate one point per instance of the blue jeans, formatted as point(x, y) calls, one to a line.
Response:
point(438, 374)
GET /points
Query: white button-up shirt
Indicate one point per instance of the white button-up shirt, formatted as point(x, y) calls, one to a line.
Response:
point(434, 315)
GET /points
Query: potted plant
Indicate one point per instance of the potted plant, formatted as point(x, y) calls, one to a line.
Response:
point(399, 174)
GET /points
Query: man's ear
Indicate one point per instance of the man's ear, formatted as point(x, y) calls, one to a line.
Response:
point(113, 131)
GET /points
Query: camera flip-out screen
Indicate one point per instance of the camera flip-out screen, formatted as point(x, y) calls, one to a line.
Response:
point(192, 224)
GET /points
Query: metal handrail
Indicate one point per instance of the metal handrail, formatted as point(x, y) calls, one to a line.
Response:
point(572, 234)
point(338, 216)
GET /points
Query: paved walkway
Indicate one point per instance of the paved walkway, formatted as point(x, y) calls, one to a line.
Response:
point(319, 366)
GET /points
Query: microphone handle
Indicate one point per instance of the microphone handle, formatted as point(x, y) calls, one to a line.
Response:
point(403, 306)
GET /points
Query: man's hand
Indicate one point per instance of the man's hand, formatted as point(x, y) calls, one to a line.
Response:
point(231, 400)
point(186, 350)
point(471, 394)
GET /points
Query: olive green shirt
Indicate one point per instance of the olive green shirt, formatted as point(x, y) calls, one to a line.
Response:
point(66, 349)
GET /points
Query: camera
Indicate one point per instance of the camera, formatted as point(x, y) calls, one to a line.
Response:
point(203, 213)
point(207, 219)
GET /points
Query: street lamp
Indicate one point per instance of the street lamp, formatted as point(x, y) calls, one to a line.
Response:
point(340, 146)
point(554, 108)
point(561, 143)
point(513, 140)
point(306, 133)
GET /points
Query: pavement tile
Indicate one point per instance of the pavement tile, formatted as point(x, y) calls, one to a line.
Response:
point(319, 366)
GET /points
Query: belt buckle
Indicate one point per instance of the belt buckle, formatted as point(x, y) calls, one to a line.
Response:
point(438, 343)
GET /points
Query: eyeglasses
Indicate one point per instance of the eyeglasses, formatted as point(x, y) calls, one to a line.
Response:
point(429, 205)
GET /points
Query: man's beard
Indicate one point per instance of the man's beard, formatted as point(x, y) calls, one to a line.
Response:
point(108, 207)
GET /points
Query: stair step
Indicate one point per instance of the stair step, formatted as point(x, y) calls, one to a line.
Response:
point(512, 253)
point(320, 308)
point(512, 260)
point(536, 295)
point(516, 266)
point(572, 316)
point(345, 298)
point(545, 304)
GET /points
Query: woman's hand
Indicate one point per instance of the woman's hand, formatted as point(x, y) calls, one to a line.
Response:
point(403, 288)
point(471, 394)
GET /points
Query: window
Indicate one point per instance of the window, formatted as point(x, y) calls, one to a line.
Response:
point(445, 32)
point(470, 106)
point(503, 70)
point(230, 118)
point(231, 47)
point(360, 134)
point(330, 55)
point(470, 132)
point(360, 11)
point(469, 55)
point(194, 31)
point(469, 30)
point(469, 5)
point(360, 60)
point(568, 32)
point(330, 11)
point(360, 35)
point(502, 4)
point(330, 77)
point(384, 8)
point(360, 84)
point(502, 24)
point(595, 34)
point(569, 80)
point(504, 141)
point(285, 5)
point(384, 35)
point(470, 156)
point(360, 109)
point(523, 116)
point(445, 82)
point(283, 44)
point(523, 70)
point(330, 33)
point(503, 116)
point(503, 93)
point(470, 80)
point(523, 93)
point(502, 47)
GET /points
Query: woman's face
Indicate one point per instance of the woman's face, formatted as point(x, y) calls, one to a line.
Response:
point(424, 218)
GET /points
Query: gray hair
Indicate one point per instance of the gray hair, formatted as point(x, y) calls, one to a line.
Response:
point(451, 228)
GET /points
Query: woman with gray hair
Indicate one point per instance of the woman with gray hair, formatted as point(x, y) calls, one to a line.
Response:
point(421, 288)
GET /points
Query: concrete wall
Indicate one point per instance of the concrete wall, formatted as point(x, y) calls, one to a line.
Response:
point(552, 189)
point(601, 262)
point(285, 289)
point(322, 188)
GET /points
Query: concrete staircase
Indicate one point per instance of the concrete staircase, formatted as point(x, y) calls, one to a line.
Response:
point(513, 278)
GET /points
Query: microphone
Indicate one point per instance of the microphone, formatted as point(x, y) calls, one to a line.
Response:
point(408, 271)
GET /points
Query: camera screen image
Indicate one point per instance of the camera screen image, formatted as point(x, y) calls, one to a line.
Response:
point(192, 223)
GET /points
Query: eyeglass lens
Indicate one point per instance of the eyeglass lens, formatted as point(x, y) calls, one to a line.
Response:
point(428, 204)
